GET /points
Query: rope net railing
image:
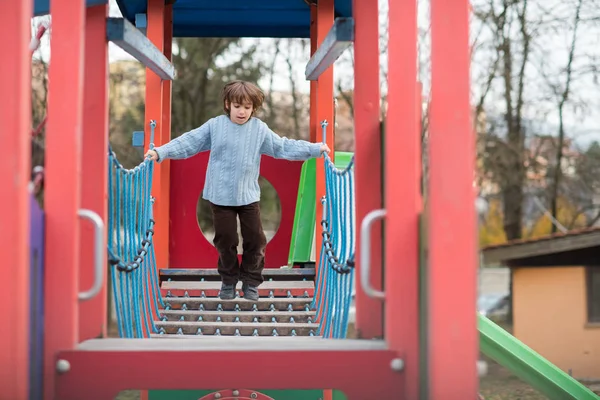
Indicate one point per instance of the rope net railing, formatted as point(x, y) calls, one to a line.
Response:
point(131, 255)
point(335, 270)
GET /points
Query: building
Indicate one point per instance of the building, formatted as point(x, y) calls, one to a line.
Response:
point(556, 297)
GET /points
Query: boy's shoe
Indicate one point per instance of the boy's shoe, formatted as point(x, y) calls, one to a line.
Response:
point(250, 292)
point(227, 292)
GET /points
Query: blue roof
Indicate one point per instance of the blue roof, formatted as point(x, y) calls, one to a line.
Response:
point(238, 18)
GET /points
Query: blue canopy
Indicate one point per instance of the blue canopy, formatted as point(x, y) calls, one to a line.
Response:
point(238, 18)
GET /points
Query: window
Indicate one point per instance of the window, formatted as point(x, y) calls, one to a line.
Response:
point(593, 294)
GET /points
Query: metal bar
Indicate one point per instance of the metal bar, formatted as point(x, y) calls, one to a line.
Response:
point(338, 39)
point(368, 150)
point(260, 362)
point(365, 254)
point(125, 35)
point(15, 164)
point(99, 259)
point(94, 171)
point(452, 219)
point(403, 192)
point(62, 197)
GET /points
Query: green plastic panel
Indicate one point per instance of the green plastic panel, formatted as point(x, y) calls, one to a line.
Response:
point(303, 232)
point(528, 365)
point(304, 218)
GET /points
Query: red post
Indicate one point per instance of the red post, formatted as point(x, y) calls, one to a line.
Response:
point(154, 111)
point(94, 182)
point(324, 106)
point(164, 169)
point(62, 197)
point(451, 223)
point(367, 154)
point(15, 167)
point(402, 193)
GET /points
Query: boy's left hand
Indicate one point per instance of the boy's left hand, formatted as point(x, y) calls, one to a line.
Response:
point(325, 148)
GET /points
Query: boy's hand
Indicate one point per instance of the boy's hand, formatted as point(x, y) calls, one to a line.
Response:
point(325, 148)
point(152, 154)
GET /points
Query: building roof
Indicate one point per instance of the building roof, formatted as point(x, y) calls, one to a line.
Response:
point(238, 18)
point(573, 248)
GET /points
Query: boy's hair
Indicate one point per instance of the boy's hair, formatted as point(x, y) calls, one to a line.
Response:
point(241, 92)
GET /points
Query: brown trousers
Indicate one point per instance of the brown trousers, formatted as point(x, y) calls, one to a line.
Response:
point(226, 241)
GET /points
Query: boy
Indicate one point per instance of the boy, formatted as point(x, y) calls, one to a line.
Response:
point(236, 142)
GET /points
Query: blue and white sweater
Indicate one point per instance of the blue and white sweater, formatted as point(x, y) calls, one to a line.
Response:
point(235, 152)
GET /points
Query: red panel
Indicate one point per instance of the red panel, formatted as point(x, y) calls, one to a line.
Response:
point(62, 197)
point(402, 193)
point(361, 375)
point(94, 171)
point(369, 312)
point(188, 246)
point(15, 171)
point(452, 221)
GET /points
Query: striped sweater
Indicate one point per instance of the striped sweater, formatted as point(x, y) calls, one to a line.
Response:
point(235, 153)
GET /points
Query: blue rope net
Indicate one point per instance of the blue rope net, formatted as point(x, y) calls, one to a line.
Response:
point(335, 271)
point(130, 250)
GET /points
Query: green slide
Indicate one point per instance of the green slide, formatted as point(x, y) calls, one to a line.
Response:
point(528, 365)
point(303, 231)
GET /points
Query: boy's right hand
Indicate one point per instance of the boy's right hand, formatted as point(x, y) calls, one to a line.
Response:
point(152, 154)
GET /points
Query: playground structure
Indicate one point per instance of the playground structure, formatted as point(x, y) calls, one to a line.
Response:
point(417, 334)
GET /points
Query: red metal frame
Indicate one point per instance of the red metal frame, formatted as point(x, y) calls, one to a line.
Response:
point(402, 193)
point(452, 229)
point(103, 374)
point(367, 154)
point(94, 171)
point(188, 248)
point(15, 165)
point(100, 374)
point(62, 198)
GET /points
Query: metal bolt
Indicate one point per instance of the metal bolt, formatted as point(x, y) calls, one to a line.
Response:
point(253, 396)
point(217, 395)
point(63, 366)
point(397, 364)
point(235, 393)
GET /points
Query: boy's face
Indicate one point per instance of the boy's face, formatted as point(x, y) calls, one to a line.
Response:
point(240, 113)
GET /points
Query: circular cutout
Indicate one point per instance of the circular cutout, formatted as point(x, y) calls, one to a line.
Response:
point(270, 214)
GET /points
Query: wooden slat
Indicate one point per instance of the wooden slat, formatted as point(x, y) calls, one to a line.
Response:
point(212, 273)
point(192, 337)
point(248, 316)
point(122, 33)
point(245, 329)
point(215, 343)
point(263, 304)
point(211, 288)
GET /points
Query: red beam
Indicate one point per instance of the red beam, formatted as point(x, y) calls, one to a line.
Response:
point(367, 153)
point(99, 375)
point(451, 223)
point(15, 164)
point(402, 192)
point(94, 182)
point(154, 111)
point(62, 183)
